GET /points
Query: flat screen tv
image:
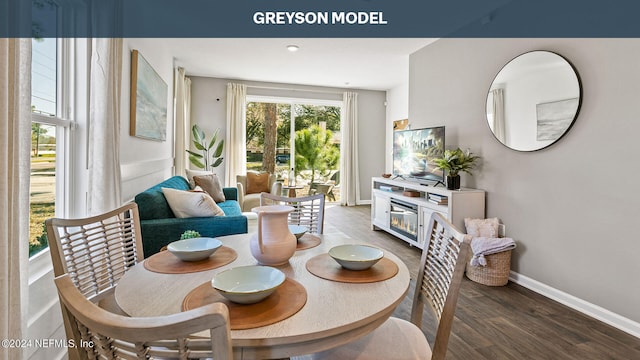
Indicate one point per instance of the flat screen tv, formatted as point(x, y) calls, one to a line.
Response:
point(414, 151)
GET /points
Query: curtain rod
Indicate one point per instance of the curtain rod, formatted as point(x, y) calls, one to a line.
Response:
point(292, 89)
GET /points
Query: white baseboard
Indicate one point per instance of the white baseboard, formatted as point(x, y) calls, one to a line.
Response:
point(627, 325)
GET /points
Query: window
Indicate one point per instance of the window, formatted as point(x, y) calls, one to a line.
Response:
point(311, 145)
point(49, 129)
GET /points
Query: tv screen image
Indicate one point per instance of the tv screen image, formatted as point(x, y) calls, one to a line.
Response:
point(414, 151)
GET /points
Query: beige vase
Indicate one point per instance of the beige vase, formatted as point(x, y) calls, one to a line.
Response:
point(273, 244)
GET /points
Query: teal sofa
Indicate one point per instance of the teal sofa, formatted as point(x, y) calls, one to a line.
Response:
point(160, 226)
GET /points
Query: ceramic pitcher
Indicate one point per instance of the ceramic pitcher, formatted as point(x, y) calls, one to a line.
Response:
point(273, 244)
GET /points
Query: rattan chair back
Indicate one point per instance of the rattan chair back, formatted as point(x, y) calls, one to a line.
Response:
point(308, 210)
point(438, 283)
point(99, 334)
point(96, 251)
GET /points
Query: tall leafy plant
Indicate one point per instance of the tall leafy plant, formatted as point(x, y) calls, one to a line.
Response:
point(456, 161)
point(210, 155)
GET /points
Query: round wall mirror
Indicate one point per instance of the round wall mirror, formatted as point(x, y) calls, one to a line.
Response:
point(533, 101)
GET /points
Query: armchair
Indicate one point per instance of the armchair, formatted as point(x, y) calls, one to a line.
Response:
point(250, 199)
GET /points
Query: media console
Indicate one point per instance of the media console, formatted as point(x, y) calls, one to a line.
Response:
point(403, 207)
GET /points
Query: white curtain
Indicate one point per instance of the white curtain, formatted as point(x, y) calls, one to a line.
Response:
point(104, 125)
point(182, 96)
point(498, 114)
point(350, 176)
point(235, 144)
point(15, 147)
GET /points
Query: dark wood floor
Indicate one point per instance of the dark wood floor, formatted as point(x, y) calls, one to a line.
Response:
point(509, 322)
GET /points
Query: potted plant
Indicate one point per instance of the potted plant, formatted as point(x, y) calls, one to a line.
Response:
point(454, 162)
point(209, 158)
point(189, 234)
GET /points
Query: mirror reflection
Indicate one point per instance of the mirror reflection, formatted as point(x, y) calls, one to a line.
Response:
point(533, 101)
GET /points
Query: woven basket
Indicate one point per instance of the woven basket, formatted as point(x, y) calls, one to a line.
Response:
point(496, 273)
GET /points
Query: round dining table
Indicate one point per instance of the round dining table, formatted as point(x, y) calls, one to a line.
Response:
point(334, 313)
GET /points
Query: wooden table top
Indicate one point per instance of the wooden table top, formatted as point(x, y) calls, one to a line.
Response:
point(334, 314)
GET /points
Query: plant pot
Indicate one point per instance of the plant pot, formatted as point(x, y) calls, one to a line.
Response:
point(453, 182)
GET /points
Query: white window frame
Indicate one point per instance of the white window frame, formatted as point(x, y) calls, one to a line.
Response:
point(63, 125)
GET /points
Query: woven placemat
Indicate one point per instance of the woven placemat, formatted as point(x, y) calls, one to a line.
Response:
point(325, 267)
point(287, 300)
point(166, 263)
point(308, 241)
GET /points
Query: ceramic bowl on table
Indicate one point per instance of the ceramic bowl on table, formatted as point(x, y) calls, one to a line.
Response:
point(298, 230)
point(248, 284)
point(194, 249)
point(356, 257)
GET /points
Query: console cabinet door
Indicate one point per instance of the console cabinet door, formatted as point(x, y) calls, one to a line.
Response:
point(425, 216)
point(381, 207)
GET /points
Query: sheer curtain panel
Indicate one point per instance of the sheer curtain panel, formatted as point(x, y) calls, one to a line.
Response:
point(236, 144)
point(351, 177)
point(183, 119)
point(104, 125)
point(15, 148)
point(498, 114)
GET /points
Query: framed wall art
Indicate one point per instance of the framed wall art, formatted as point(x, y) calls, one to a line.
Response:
point(148, 100)
point(554, 118)
point(400, 124)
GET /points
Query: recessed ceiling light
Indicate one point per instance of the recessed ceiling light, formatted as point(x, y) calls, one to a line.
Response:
point(293, 48)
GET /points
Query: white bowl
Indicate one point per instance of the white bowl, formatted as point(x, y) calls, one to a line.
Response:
point(356, 257)
point(194, 249)
point(248, 284)
point(298, 230)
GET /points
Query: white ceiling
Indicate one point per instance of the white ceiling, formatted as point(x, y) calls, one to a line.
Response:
point(374, 64)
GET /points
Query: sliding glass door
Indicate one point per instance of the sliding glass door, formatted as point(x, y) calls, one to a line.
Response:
point(304, 135)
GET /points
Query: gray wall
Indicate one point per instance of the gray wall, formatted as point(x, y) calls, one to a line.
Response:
point(210, 114)
point(572, 207)
point(397, 109)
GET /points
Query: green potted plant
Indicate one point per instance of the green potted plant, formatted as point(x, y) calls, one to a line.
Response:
point(208, 158)
point(189, 234)
point(454, 162)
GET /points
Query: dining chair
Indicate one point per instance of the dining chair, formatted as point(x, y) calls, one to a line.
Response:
point(96, 251)
point(438, 284)
point(99, 334)
point(308, 210)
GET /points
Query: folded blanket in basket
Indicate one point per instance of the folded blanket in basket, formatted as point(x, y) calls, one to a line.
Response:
point(482, 246)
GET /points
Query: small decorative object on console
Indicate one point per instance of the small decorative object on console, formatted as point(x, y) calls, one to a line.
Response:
point(386, 176)
point(411, 193)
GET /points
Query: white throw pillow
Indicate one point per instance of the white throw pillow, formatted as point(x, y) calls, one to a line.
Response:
point(192, 173)
point(482, 227)
point(186, 204)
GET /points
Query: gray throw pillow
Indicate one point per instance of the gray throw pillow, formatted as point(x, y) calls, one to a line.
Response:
point(211, 185)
